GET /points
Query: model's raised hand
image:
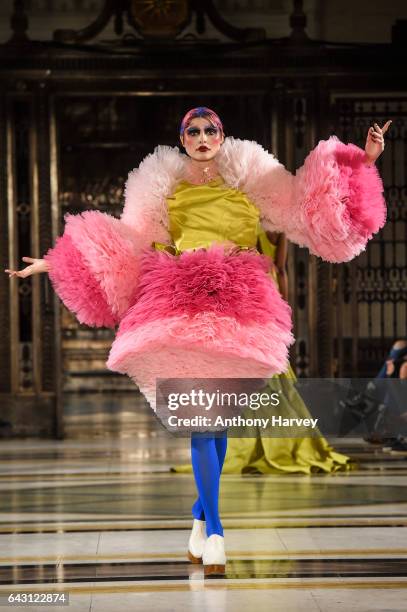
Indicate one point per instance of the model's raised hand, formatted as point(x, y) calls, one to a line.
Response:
point(36, 266)
point(375, 141)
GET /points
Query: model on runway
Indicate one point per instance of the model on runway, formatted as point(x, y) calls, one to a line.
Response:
point(180, 276)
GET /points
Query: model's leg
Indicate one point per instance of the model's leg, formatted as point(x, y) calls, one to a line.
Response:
point(197, 510)
point(221, 443)
point(205, 464)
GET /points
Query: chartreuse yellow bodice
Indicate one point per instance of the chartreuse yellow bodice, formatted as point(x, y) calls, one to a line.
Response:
point(201, 215)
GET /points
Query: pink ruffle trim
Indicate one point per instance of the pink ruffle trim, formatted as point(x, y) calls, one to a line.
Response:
point(339, 202)
point(202, 346)
point(76, 286)
point(233, 284)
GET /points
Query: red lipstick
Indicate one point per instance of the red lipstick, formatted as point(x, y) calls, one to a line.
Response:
point(203, 148)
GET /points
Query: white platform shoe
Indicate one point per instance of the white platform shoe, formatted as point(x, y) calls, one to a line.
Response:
point(197, 541)
point(213, 557)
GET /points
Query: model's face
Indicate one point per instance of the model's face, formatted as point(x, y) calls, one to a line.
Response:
point(201, 139)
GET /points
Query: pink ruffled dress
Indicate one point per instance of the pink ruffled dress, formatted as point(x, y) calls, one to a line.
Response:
point(209, 308)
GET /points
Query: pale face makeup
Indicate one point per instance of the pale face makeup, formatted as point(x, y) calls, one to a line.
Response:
point(202, 140)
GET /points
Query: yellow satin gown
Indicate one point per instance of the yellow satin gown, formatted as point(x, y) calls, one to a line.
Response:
point(199, 216)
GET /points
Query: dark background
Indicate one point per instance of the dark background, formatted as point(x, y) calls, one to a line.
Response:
point(87, 90)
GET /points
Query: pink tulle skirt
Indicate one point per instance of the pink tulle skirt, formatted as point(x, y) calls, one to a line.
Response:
point(208, 313)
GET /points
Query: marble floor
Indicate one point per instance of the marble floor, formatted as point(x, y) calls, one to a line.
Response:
point(99, 516)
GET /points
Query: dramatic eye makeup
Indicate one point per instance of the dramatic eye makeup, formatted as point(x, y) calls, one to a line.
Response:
point(210, 130)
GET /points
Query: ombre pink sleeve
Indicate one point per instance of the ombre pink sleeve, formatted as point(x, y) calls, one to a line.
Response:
point(340, 200)
point(333, 205)
point(94, 267)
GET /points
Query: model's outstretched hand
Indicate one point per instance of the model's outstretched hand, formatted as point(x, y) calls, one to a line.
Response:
point(375, 141)
point(36, 266)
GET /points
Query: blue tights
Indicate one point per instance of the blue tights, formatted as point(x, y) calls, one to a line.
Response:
point(208, 454)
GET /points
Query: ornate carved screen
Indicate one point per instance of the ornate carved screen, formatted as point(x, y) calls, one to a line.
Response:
point(371, 291)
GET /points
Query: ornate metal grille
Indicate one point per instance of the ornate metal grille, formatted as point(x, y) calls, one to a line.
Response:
point(372, 290)
point(21, 120)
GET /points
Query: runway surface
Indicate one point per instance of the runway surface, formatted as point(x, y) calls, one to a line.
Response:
point(100, 516)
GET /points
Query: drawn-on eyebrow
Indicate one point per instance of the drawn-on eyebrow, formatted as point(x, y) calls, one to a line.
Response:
point(208, 127)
